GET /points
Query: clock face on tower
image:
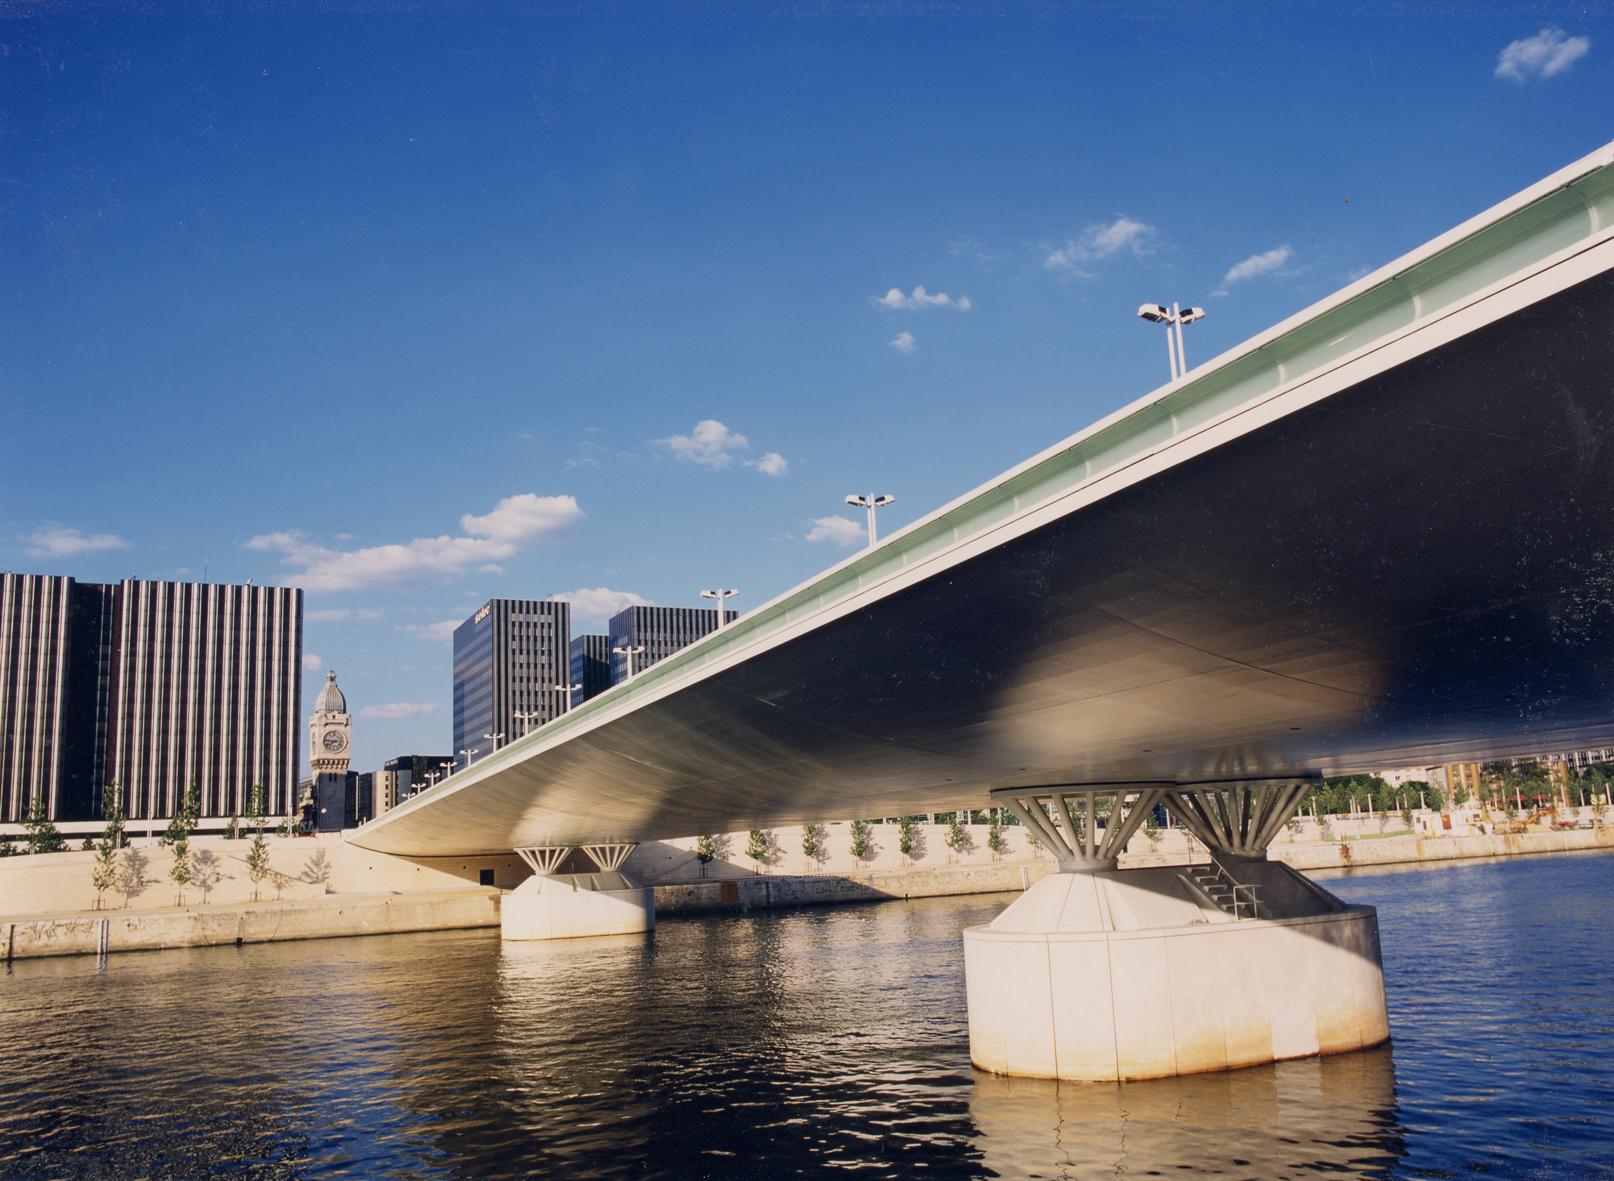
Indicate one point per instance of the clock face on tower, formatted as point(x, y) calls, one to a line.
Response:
point(333, 741)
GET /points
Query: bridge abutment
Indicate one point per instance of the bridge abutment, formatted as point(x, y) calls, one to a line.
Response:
point(555, 905)
point(1097, 973)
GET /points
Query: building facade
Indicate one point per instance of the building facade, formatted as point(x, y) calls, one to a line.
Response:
point(511, 661)
point(403, 777)
point(155, 685)
point(335, 789)
point(660, 631)
point(591, 665)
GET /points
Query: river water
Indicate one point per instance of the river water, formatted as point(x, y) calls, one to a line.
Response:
point(809, 1043)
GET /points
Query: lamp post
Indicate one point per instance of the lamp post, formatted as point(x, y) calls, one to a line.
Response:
point(1173, 318)
point(871, 502)
point(470, 754)
point(431, 778)
point(720, 595)
point(526, 720)
point(566, 692)
point(629, 650)
point(494, 738)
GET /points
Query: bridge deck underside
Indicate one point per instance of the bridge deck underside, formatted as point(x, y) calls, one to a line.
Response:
point(1416, 570)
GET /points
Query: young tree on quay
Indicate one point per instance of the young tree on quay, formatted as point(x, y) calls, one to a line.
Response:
point(104, 872)
point(258, 851)
point(43, 836)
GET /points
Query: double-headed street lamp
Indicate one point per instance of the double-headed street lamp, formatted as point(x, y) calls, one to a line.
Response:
point(469, 753)
point(494, 738)
point(720, 595)
point(566, 692)
point(527, 720)
point(870, 502)
point(448, 768)
point(1173, 318)
point(630, 651)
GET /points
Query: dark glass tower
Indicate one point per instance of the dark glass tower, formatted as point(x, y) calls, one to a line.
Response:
point(510, 657)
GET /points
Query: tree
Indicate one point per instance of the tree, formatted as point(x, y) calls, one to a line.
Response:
point(759, 848)
point(905, 835)
point(177, 836)
point(232, 830)
point(258, 852)
point(957, 839)
point(862, 842)
point(812, 841)
point(994, 839)
point(705, 851)
point(105, 870)
point(43, 836)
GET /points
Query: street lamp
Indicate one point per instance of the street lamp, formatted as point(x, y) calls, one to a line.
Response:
point(469, 753)
point(629, 650)
point(870, 502)
point(494, 738)
point(719, 595)
point(448, 768)
point(431, 778)
point(527, 719)
point(566, 692)
point(1173, 318)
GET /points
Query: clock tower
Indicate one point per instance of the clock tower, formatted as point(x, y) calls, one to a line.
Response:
point(328, 731)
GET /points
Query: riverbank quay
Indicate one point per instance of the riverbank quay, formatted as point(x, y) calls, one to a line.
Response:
point(327, 889)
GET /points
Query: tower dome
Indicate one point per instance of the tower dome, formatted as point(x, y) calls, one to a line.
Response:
point(330, 699)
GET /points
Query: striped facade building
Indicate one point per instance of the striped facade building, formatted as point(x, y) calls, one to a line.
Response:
point(156, 685)
point(660, 631)
point(511, 659)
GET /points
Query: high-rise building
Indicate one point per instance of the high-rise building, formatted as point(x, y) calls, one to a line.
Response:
point(511, 661)
point(156, 685)
point(405, 776)
point(591, 665)
point(660, 631)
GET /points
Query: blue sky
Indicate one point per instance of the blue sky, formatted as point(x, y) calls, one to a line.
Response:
point(417, 305)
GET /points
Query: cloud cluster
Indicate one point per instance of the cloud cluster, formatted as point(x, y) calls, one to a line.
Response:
point(597, 604)
point(838, 531)
point(399, 709)
point(515, 523)
point(920, 300)
point(1100, 241)
point(1266, 263)
point(313, 662)
point(712, 445)
point(1549, 52)
point(440, 632)
point(60, 541)
point(904, 343)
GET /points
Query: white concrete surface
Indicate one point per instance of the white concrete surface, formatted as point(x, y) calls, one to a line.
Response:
point(577, 905)
point(1126, 974)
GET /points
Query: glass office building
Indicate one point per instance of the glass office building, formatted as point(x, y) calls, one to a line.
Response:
point(591, 665)
point(511, 663)
point(660, 631)
point(157, 685)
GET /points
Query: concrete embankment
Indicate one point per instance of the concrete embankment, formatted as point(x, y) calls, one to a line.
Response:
point(329, 917)
point(449, 903)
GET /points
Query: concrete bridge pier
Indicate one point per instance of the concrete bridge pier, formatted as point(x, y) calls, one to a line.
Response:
point(566, 905)
point(1103, 974)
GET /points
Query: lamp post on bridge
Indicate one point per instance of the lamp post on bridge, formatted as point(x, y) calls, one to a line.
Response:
point(448, 768)
point(566, 692)
point(1173, 318)
point(630, 651)
point(469, 753)
point(720, 595)
point(526, 720)
point(871, 502)
point(494, 738)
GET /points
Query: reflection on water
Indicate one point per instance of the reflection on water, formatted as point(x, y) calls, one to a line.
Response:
point(799, 1044)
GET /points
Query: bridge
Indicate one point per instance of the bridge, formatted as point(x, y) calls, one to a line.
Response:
point(1380, 533)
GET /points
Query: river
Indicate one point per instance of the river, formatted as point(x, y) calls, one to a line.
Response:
point(799, 1044)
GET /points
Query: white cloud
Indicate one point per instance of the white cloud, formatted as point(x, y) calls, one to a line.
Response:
point(440, 632)
point(838, 531)
point(342, 614)
point(60, 541)
point(1265, 263)
point(771, 464)
point(1099, 241)
point(904, 343)
point(399, 709)
point(515, 523)
point(920, 299)
point(597, 604)
point(313, 662)
point(712, 445)
point(1549, 52)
